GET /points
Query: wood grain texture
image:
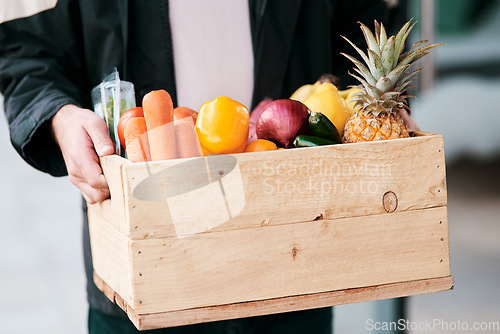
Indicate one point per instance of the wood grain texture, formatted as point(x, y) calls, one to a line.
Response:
point(209, 234)
point(280, 305)
point(111, 256)
point(290, 259)
point(113, 209)
point(182, 197)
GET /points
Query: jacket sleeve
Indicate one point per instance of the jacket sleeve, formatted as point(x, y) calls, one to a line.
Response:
point(41, 70)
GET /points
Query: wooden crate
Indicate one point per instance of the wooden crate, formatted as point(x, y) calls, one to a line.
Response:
point(204, 239)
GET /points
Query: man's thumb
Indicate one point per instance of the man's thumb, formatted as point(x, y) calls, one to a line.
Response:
point(99, 135)
point(106, 149)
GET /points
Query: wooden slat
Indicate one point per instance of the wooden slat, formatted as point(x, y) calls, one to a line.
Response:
point(174, 199)
point(287, 304)
point(420, 133)
point(282, 260)
point(113, 210)
point(111, 257)
point(112, 295)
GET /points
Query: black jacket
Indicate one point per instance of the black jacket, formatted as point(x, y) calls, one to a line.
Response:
point(55, 57)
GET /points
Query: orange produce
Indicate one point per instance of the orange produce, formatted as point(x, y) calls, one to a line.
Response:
point(182, 112)
point(259, 145)
point(159, 115)
point(136, 139)
point(133, 112)
point(222, 126)
point(188, 145)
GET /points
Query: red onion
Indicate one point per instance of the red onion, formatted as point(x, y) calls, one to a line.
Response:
point(254, 116)
point(281, 120)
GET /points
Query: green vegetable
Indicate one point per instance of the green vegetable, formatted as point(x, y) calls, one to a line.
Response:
point(322, 127)
point(109, 114)
point(311, 141)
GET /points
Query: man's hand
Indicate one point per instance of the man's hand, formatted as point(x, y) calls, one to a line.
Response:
point(80, 134)
point(409, 122)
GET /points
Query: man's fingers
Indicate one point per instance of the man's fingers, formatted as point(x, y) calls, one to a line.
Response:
point(80, 134)
point(92, 195)
point(409, 122)
point(98, 132)
point(90, 171)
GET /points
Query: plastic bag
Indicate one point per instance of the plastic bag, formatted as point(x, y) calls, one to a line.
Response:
point(111, 98)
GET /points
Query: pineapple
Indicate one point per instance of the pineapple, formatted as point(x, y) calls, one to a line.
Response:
point(384, 80)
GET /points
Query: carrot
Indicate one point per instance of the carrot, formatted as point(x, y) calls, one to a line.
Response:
point(188, 145)
point(136, 139)
point(158, 113)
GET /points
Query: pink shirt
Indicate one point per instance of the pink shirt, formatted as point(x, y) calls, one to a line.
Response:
point(213, 53)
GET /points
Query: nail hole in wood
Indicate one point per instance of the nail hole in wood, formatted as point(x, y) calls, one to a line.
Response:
point(140, 274)
point(319, 217)
point(441, 260)
point(390, 201)
point(139, 252)
point(221, 172)
point(442, 239)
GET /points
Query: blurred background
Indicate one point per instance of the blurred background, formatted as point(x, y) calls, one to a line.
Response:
point(42, 286)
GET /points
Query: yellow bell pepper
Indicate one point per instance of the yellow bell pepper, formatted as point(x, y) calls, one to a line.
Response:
point(303, 92)
point(222, 126)
point(327, 100)
point(347, 95)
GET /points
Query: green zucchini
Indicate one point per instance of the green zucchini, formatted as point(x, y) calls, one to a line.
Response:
point(322, 127)
point(311, 141)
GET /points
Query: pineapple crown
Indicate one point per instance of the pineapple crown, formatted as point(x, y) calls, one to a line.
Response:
point(386, 75)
